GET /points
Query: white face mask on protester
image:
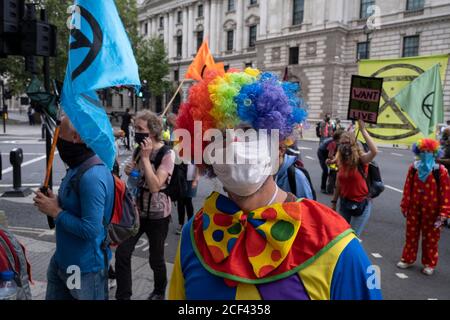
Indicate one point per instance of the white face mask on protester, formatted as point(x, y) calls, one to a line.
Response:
point(249, 168)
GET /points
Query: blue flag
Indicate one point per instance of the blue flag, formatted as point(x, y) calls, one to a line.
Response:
point(100, 56)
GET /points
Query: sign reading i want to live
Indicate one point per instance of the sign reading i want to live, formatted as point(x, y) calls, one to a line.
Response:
point(365, 95)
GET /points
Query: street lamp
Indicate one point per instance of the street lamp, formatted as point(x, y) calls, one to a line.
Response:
point(367, 31)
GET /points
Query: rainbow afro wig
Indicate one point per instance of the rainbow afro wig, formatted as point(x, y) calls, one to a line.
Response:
point(225, 100)
point(427, 145)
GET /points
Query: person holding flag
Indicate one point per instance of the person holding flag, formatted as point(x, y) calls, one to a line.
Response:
point(100, 56)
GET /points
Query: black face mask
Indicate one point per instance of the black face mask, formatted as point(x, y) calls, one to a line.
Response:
point(345, 150)
point(140, 137)
point(73, 154)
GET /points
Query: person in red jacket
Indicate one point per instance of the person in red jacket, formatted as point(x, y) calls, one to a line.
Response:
point(425, 204)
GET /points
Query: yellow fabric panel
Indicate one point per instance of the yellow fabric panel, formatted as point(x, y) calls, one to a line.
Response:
point(247, 292)
point(394, 125)
point(317, 276)
point(176, 287)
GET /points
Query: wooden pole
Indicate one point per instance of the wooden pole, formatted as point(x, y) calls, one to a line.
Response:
point(50, 159)
point(173, 98)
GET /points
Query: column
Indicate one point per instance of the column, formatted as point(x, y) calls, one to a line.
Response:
point(239, 26)
point(190, 34)
point(166, 30)
point(286, 18)
point(263, 19)
point(206, 13)
point(185, 33)
point(218, 24)
point(150, 27)
point(212, 27)
point(154, 26)
point(171, 34)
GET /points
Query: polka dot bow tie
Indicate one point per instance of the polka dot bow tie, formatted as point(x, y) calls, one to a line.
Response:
point(267, 233)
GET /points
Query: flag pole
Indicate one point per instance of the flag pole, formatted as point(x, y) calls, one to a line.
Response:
point(44, 189)
point(50, 159)
point(173, 98)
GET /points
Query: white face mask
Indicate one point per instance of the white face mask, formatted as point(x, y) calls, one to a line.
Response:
point(250, 168)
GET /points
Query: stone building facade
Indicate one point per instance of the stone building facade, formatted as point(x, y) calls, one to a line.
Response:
point(317, 42)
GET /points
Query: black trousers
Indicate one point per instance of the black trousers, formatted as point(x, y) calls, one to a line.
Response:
point(127, 136)
point(322, 158)
point(156, 231)
point(184, 206)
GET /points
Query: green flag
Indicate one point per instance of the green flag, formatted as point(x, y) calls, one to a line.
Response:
point(423, 101)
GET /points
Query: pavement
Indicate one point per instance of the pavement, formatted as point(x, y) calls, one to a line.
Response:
point(383, 238)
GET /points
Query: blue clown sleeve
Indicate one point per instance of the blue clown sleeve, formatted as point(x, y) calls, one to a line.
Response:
point(354, 277)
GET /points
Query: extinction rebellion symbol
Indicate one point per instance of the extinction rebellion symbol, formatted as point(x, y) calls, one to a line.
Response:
point(81, 41)
point(427, 105)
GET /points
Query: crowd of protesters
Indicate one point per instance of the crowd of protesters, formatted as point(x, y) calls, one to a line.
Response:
point(253, 205)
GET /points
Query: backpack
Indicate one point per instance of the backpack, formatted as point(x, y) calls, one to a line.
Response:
point(13, 257)
point(177, 187)
point(293, 181)
point(436, 174)
point(318, 129)
point(124, 222)
point(373, 179)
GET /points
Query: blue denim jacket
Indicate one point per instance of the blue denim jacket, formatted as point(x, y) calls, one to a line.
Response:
point(79, 227)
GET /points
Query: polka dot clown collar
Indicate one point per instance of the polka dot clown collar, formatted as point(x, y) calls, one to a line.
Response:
point(267, 233)
point(265, 245)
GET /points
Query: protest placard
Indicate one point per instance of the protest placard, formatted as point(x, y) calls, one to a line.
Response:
point(365, 95)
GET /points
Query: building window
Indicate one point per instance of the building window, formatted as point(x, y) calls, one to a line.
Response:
point(252, 37)
point(252, 2)
point(199, 39)
point(298, 11)
point(179, 17)
point(161, 22)
point(146, 28)
point(411, 46)
point(179, 46)
point(200, 11)
point(231, 5)
point(230, 40)
point(176, 75)
point(362, 50)
point(412, 5)
point(293, 55)
point(365, 4)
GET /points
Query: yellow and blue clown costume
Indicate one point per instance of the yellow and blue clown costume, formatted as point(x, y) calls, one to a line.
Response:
point(298, 250)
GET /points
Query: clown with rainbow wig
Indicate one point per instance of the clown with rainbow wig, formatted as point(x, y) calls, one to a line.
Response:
point(255, 241)
point(425, 204)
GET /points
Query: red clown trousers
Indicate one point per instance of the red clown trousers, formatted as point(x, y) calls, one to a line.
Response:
point(424, 202)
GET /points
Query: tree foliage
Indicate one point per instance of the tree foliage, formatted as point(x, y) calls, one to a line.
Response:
point(153, 65)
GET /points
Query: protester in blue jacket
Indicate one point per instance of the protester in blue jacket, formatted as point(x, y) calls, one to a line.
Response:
point(303, 187)
point(78, 269)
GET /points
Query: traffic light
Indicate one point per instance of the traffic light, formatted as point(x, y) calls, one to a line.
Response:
point(8, 94)
point(11, 13)
point(22, 34)
point(30, 64)
point(39, 39)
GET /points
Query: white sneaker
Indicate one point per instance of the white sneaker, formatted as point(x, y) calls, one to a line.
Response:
point(428, 271)
point(112, 283)
point(404, 265)
point(179, 229)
